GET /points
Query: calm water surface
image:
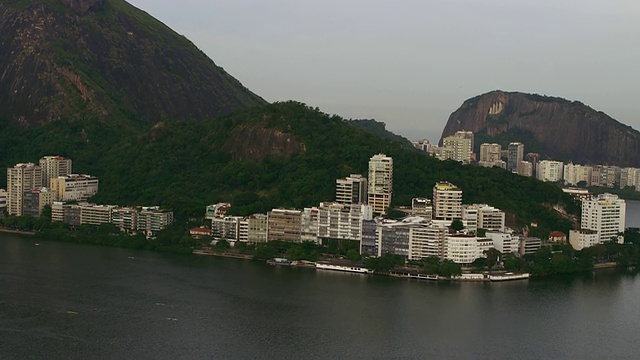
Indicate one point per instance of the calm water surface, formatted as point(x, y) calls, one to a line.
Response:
point(68, 301)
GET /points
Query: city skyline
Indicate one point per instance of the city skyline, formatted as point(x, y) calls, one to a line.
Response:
point(411, 65)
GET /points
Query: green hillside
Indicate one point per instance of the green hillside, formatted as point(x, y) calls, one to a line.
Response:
point(185, 166)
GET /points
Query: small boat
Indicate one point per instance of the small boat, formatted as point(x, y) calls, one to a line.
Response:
point(36, 244)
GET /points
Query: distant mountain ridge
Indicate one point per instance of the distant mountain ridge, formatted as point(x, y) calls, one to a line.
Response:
point(105, 59)
point(557, 128)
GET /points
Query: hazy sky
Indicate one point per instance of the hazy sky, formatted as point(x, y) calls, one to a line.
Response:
point(410, 63)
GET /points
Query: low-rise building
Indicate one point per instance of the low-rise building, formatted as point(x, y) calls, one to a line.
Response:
point(529, 245)
point(218, 210)
point(583, 238)
point(558, 237)
point(74, 187)
point(504, 242)
point(465, 249)
point(422, 207)
point(199, 232)
point(227, 228)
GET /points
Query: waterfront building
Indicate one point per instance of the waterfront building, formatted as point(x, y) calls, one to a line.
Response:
point(422, 207)
point(284, 225)
point(529, 245)
point(369, 242)
point(20, 179)
point(200, 232)
point(339, 221)
point(380, 183)
point(504, 242)
point(218, 210)
point(3, 201)
point(549, 170)
point(309, 224)
point(464, 249)
point(352, 190)
point(525, 168)
point(458, 147)
point(583, 238)
point(427, 241)
point(125, 219)
point(393, 235)
point(606, 215)
point(243, 230)
point(152, 219)
point(35, 200)
point(515, 155)
point(629, 177)
point(54, 167)
point(490, 153)
point(74, 187)
point(447, 201)
point(227, 228)
point(92, 214)
point(257, 229)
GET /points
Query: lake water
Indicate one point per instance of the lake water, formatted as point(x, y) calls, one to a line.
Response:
point(633, 214)
point(69, 301)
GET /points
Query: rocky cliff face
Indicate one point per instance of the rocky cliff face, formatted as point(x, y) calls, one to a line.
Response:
point(563, 129)
point(105, 59)
point(252, 142)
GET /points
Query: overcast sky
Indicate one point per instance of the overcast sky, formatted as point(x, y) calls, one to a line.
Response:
point(410, 63)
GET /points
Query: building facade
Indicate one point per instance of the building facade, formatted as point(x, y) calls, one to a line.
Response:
point(514, 156)
point(549, 170)
point(74, 187)
point(604, 214)
point(53, 167)
point(21, 178)
point(380, 183)
point(284, 225)
point(447, 201)
point(352, 190)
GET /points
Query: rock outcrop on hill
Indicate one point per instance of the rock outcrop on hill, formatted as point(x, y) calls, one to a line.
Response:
point(65, 59)
point(561, 129)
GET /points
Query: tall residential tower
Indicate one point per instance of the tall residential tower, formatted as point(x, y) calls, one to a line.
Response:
point(380, 182)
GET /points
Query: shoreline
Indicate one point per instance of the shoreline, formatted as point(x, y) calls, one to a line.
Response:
point(18, 232)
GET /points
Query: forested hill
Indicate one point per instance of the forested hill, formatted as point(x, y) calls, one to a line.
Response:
point(283, 154)
point(108, 61)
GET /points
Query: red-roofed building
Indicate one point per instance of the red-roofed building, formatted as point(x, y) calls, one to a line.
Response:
point(558, 237)
point(199, 232)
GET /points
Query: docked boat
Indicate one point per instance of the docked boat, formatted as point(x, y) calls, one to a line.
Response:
point(346, 268)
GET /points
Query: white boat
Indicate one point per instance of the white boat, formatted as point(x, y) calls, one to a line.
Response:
point(355, 269)
point(509, 276)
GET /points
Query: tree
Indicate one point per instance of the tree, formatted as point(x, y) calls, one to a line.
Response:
point(222, 245)
point(449, 269)
point(353, 255)
point(493, 256)
point(456, 225)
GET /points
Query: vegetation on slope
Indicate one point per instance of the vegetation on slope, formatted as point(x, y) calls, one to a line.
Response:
point(184, 166)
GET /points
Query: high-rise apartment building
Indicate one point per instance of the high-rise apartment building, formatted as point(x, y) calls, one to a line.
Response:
point(351, 190)
point(549, 170)
point(515, 155)
point(525, 168)
point(574, 174)
point(490, 153)
point(53, 167)
point(284, 225)
point(380, 182)
point(458, 147)
point(606, 215)
point(447, 201)
point(74, 187)
point(20, 179)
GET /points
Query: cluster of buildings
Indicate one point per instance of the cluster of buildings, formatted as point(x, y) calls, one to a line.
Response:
point(460, 147)
point(31, 187)
point(426, 231)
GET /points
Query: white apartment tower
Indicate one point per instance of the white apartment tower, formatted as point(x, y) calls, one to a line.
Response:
point(447, 201)
point(549, 170)
point(53, 167)
point(20, 179)
point(351, 190)
point(606, 215)
point(380, 182)
point(458, 147)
